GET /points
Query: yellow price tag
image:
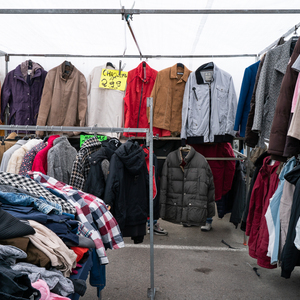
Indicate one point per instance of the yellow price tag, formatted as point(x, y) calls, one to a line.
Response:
point(111, 79)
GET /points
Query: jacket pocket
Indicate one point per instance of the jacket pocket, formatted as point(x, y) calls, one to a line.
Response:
point(196, 214)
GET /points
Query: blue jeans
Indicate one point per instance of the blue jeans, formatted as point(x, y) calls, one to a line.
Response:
point(209, 220)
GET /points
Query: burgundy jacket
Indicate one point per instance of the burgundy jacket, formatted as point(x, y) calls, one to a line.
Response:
point(223, 171)
point(265, 185)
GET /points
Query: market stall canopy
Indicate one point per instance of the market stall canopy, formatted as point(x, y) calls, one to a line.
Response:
point(183, 37)
point(156, 34)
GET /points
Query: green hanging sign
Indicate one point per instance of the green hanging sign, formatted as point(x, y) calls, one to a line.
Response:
point(83, 138)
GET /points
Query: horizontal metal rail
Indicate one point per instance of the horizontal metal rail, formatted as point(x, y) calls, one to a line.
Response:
point(71, 128)
point(131, 56)
point(149, 11)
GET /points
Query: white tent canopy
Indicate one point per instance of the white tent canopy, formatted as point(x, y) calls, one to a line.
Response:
point(183, 34)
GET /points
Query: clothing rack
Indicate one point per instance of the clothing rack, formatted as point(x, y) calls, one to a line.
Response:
point(149, 141)
point(149, 132)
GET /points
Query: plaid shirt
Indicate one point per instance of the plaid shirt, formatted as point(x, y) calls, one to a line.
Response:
point(90, 210)
point(36, 189)
point(81, 165)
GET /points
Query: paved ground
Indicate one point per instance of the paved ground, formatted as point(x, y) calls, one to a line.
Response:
point(190, 264)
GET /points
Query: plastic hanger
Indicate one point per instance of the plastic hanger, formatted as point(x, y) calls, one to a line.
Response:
point(109, 64)
point(180, 65)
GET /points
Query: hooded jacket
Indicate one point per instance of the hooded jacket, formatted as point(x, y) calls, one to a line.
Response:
point(209, 108)
point(187, 192)
point(265, 185)
point(140, 83)
point(95, 182)
point(64, 99)
point(127, 187)
point(23, 94)
point(290, 256)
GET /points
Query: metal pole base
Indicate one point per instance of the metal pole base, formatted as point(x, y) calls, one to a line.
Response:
point(151, 293)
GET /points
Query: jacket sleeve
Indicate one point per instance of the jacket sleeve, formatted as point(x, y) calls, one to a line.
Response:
point(112, 187)
point(211, 193)
point(153, 95)
point(163, 189)
point(231, 109)
point(245, 89)
point(45, 104)
point(6, 95)
point(261, 94)
point(77, 178)
point(185, 109)
point(82, 102)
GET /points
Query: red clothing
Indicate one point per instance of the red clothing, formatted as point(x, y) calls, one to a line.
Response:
point(40, 160)
point(223, 171)
point(264, 187)
point(139, 87)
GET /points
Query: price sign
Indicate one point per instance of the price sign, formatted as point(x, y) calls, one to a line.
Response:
point(83, 138)
point(111, 79)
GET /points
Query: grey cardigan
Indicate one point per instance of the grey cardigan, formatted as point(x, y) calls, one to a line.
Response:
point(60, 159)
point(187, 191)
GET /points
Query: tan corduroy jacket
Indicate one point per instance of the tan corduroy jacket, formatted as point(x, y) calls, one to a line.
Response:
point(64, 99)
point(167, 96)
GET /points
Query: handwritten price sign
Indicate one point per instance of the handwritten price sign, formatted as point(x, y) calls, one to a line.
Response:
point(111, 79)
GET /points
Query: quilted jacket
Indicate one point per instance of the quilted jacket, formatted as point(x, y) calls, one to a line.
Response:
point(187, 192)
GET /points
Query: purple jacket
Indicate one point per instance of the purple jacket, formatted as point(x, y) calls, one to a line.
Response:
point(22, 95)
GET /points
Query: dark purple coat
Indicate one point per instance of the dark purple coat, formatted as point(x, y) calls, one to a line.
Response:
point(23, 98)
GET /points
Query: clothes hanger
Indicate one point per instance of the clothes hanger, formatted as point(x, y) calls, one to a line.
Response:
point(109, 64)
point(180, 65)
point(30, 64)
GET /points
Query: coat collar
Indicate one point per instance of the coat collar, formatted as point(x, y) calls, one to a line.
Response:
point(175, 69)
point(18, 73)
point(62, 70)
point(284, 49)
point(188, 157)
point(141, 75)
point(210, 66)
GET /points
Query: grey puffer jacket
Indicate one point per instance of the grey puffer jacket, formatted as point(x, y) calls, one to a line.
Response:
point(187, 191)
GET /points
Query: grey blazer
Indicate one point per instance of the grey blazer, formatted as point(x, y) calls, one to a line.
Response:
point(268, 89)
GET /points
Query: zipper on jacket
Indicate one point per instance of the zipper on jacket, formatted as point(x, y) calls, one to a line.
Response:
point(209, 86)
point(144, 80)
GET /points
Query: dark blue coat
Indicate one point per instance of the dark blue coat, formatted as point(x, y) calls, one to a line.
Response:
point(245, 98)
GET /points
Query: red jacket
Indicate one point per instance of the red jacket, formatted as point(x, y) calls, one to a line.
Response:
point(223, 171)
point(139, 87)
point(40, 160)
point(264, 187)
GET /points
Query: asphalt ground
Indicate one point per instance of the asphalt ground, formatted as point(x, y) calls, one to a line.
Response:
point(190, 264)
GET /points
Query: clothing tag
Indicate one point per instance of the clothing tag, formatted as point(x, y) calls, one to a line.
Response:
point(208, 76)
point(29, 72)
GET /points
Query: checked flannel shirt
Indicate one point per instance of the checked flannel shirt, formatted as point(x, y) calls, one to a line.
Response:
point(81, 165)
point(90, 210)
point(36, 189)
